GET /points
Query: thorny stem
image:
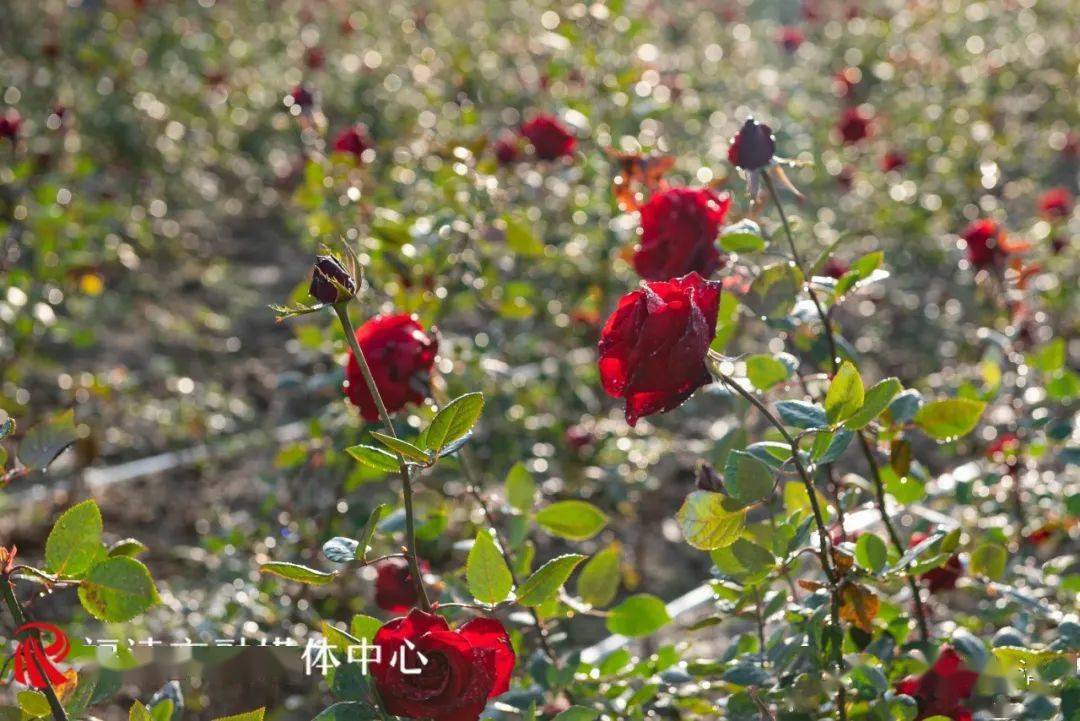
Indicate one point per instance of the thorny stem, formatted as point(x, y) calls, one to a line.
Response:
point(406, 478)
point(8, 591)
point(867, 452)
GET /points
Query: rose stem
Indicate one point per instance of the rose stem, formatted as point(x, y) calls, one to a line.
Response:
point(7, 589)
point(867, 452)
point(406, 479)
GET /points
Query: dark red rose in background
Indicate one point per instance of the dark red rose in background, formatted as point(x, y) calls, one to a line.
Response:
point(10, 123)
point(678, 233)
point(400, 354)
point(942, 578)
point(893, 160)
point(550, 138)
point(835, 268)
point(353, 140)
point(941, 689)
point(790, 38)
point(395, 590)
point(653, 347)
point(328, 268)
point(464, 667)
point(301, 97)
point(753, 146)
point(507, 149)
point(983, 243)
point(314, 58)
point(854, 125)
point(578, 436)
point(37, 653)
point(1055, 203)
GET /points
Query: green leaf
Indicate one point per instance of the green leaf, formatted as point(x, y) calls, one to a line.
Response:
point(638, 615)
point(7, 428)
point(349, 711)
point(727, 320)
point(520, 487)
point(802, 414)
point(364, 542)
point(746, 478)
point(340, 549)
point(708, 521)
point(863, 270)
point(845, 395)
point(373, 457)
point(74, 543)
point(47, 440)
point(453, 421)
point(742, 237)
point(949, 418)
point(33, 703)
point(520, 237)
point(598, 581)
point(297, 572)
point(1050, 357)
point(989, 560)
point(877, 400)
point(117, 589)
point(575, 520)
point(128, 547)
point(578, 713)
point(139, 712)
point(871, 552)
point(548, 579)
point(764, 371)
point(403, 448)
point(796, 498)
point(486, 571)
point(256, 715)
point(774, 291)
point(752, 556)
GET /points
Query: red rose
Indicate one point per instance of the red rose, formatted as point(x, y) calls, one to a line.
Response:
point(940, 689)
point(301, 97)
point(892, 160)
point(314, 58)
point(395, 590)
point(578, 436)
point(353, 140)
point(678, 234)
point(753, 146)
point(835, 268)
point(1055, 203)
point(550, 138)
point(400, 354)
point(790, 38)
point(983, 243)
point(854, 125)
point(459, 670)
point(10, 123)
point(939, 579)
point(653, 347)
point(507, 150)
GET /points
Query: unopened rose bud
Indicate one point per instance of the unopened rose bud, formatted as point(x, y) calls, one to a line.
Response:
point(753, 146)
point(708, 479)
point(330, 282)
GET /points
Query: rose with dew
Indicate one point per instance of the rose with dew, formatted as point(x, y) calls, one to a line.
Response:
point(678, 234)
point(1055, 204)
point(400, 354)
point(943, 578)
point(395, 590)
point(353, 141)
point(550, 139)
point(653, 347)
point(445, 674)
point(941, 690)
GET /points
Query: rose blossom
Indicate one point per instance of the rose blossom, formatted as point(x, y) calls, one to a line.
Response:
point(400, 355)
point(550, 138)
point(942, 687)
point(463, 668)
point(939, 579)
point(983, 243)
point(854, 125)
point(353, 140)
point(678, 233)
point(1055, 203)
point(395, 590)
point(653, 347)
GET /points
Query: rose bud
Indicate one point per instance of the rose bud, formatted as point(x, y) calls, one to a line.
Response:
point(653, 347)
point(395, 590)
point(1055, 204)
point(678, 234)
point(854, 125)
point(326, 278)
point(942, 687)
point(789, 38)
point(893, 160)
point(10, 123)
point(400, 355)
point(301, 98)
point(507, 150)
point(707, 479)
point(835, 268)
point(983, 247)
point(939, 579)
point(447, 675)
point(353, 141)
point(550, 139)
point(753, 146)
